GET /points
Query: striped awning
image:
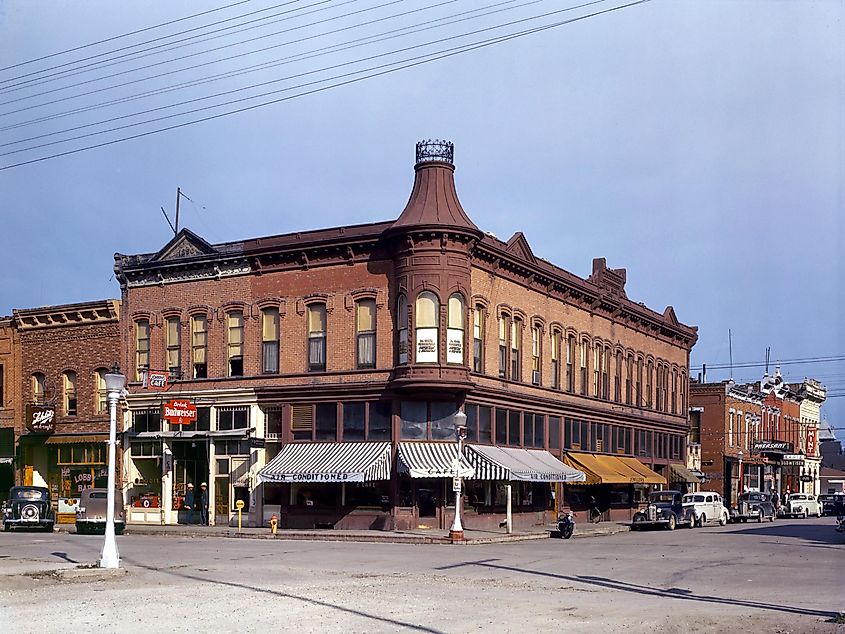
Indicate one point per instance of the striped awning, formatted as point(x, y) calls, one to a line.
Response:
point(506, 463)
point(329, 462)
point(432, 460)
point(76, 439)
point(679, 473)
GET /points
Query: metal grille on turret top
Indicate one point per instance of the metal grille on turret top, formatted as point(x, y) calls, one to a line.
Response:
point(435, 150)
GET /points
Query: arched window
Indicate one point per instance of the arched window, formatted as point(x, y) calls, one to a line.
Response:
point(174, 346)
point(426, 327)
point(478, 339)
point(316, 337)
point(402, 327)
point(649, 384)
point(570, 363)
point(555, 354)
point(365, 325)
point(455, 330)
point(69, 390)
point(199, 345)
point(629, 379)
point(270, 340)
point(585, 350)
point(536, 353)
point(503, 345)
point(516, 349)
point(39, 388)
point(101, 402)
point(235, 342)
point(142, 347)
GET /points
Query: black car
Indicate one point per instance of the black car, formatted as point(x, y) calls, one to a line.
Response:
point(754, 505)
point(28, 507)
point(664, 509)
point(832, 503)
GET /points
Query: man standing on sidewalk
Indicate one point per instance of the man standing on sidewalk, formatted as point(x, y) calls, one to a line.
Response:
point(189, 502)
point(204, 504)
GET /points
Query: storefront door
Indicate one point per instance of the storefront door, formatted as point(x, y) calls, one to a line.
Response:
point(190, 465)
point(430, 502)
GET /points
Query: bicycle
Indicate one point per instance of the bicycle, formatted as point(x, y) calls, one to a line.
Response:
point(595, 515)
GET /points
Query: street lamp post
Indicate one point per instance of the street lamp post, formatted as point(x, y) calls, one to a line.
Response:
point(457, 530)
point(115, 383)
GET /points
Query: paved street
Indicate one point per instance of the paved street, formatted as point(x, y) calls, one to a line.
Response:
point(780, 577)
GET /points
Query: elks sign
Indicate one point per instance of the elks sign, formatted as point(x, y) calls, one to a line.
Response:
point(41, 418)
point(179, 412)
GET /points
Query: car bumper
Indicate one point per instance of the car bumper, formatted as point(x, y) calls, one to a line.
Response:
point(20, 522)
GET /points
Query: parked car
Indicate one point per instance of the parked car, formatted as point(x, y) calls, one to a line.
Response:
point(708, 507)
point(754, 505)
point(801, 505)
point(665, 508)
point(91, 514)
point(28, 507)
point(832, 503)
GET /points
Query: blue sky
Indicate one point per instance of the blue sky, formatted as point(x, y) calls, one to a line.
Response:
point(697, 144)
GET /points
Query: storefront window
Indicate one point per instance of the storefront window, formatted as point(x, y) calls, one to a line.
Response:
point(231, 447)
point(554, 432)
point(353, 421)
point(368, 494)
point(414, 415)
point(326, 422)
point(501, 426)
point(146, 420)
point(317, 495)
point(443, 420)
point(379, 423)
point(514, 424)
point(485, 425)
point(232, 418)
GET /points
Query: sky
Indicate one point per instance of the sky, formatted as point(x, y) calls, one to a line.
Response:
point(699, 145)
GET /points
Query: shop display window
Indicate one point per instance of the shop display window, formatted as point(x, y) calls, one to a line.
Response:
point(314, 495)
point(232, 418)
point(375, 495)
point(354, 421)
point(379, 423)
point(326, 422)
point(146, 420)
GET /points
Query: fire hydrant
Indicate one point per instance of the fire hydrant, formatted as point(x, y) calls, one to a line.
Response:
point(274, 523)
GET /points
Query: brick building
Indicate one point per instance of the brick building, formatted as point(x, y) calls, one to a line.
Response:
point(62, 415)
point(10, 402)
point(328, 368)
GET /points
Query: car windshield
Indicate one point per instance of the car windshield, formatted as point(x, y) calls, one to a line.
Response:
point(662, 497)
point(753, 497)
point(693, 498)
point(29, 494)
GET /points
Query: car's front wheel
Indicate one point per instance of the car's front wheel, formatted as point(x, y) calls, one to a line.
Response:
point(672, 523)
point(760, 517)
point(723, 520)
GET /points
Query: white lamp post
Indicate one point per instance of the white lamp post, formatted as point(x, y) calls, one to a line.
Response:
point(115, 383)
point(457, 530)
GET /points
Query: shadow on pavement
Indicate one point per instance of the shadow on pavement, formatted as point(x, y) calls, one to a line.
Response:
point(815, 533)
point(670, 593)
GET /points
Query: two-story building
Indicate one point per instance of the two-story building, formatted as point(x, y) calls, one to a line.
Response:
point(329, 366)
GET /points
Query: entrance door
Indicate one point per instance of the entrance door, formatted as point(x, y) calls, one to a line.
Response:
point(429, 502)
point(190, 465)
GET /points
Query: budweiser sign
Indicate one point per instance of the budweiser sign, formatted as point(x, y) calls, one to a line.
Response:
point(41, 419)
point(179, 412)
point(154, 380)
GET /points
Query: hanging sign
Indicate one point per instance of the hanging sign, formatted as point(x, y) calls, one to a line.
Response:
point(811, 441)
point(179, 412)
point(154, 380)
point(41, 419)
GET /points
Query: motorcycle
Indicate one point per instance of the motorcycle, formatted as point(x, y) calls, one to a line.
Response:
point(566, 525)
point(840, 524)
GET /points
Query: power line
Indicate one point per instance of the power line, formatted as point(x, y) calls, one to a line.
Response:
point(117, 37)
point(335, 48)
point(410, 62)
point(204, 26)
point(756, 364)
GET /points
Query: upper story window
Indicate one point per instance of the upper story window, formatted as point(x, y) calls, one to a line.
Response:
point(649, 389)
point(39, 388)
point(142, 347)
point(402, 327)
point(674, 391)
point(316, 337)
point(605, 374)
point(597, 370)
point(174, 346)
point(555, 345)
point(366, 332)
point(585, 347)
point(229, 418)
point(536, 342)
point(638, 395)
point(629, 379)
point(69, 389)
point(426, 328)
point(455, 326)
point(503, 346)
point(2, 382)
point(516, 349)
point(570, 363)
point(101, 401)
point(270, 340)
point(659, 388)
point(478, 339)
point(617, 383)
point(199, 346)
point(235, 342)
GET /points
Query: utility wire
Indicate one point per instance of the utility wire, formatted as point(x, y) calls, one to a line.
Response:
point(162, 48)
point(374, 72)
point(117, 37)
point(158, 39)
point(220, 60)
point(335, 48)
point(757, 364)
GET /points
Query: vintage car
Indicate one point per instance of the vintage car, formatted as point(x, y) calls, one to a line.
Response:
point(801, 505)
point(28, 507)
point(91, 514)
point(664, 509)
point(707, 506)
point(832, 503)
point(754, 505)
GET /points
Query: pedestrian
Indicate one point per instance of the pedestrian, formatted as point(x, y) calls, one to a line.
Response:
point(204, 504)
point(189, 502)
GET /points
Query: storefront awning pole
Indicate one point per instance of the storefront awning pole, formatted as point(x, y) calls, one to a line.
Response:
point(509, 517)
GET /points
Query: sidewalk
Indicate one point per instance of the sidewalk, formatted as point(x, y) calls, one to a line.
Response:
point(471, 537)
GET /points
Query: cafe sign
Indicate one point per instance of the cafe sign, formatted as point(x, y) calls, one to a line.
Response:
point(41, 419)
point(179, 412)
point(154, 380)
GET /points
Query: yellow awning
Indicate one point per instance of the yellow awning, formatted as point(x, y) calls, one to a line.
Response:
point(76, 440)
point(612, 469)
point(650, 477)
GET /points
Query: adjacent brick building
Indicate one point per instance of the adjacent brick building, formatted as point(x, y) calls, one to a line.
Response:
point(62, 416)
point(360, 345)
point(10, 402)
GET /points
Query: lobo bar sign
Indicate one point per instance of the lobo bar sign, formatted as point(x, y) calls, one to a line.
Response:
point(179, 412)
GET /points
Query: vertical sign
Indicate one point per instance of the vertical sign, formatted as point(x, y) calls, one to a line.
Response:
point(454, 346)
point(426, 351)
